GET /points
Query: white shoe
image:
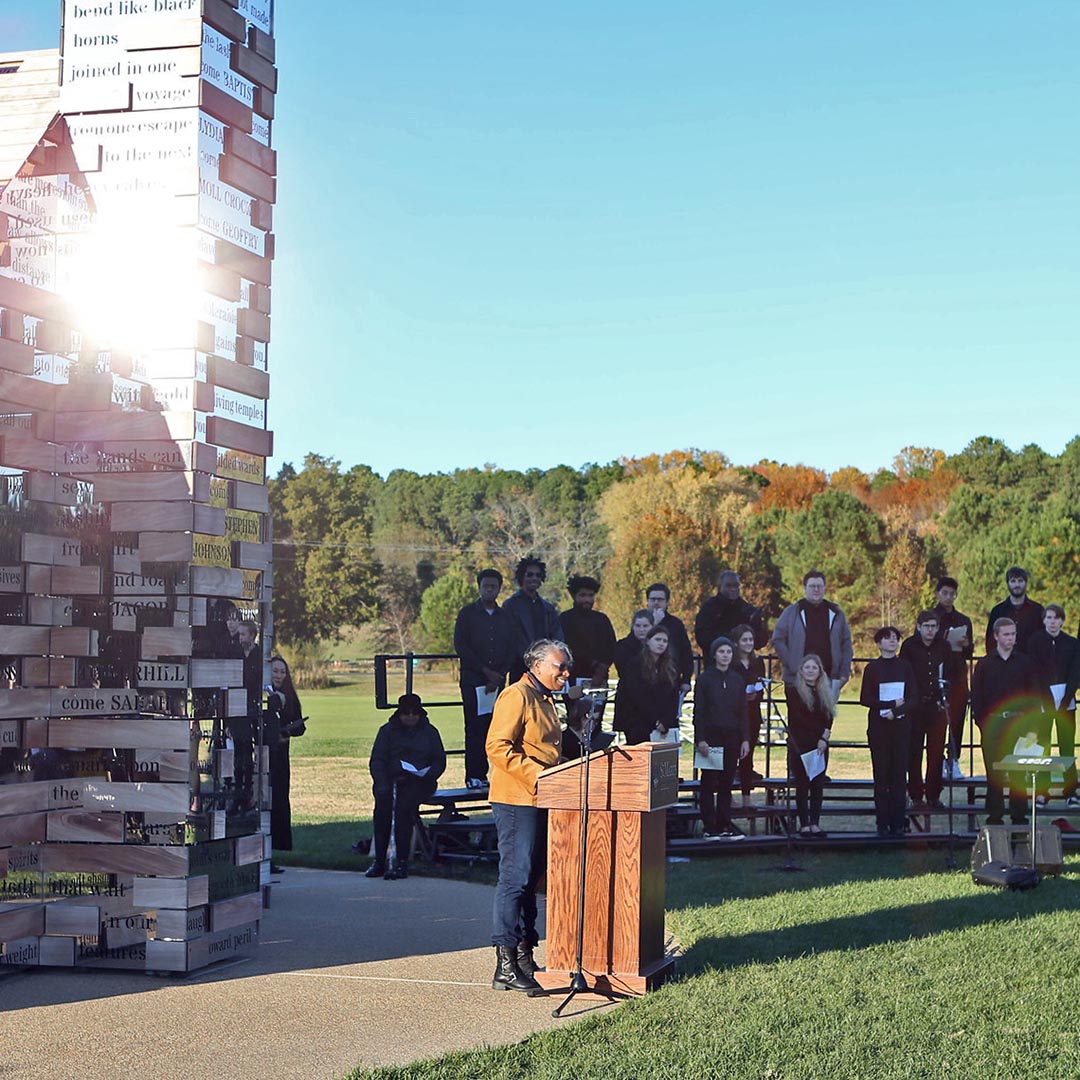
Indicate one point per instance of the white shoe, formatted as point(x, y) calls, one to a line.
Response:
point(474, 783)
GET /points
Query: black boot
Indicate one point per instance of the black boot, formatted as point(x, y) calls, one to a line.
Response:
point(398, 871)
point(525, 961)
point(376, 869)
point(507, 976)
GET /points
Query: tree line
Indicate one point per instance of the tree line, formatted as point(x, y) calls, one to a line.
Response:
point(399, 555)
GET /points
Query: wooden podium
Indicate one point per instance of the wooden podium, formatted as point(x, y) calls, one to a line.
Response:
point(629, 789)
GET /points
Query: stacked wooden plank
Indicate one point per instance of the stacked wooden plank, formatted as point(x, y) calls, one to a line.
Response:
point(135, 273)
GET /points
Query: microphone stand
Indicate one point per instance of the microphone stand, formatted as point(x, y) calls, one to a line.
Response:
point(950, 857)
point(789, 865)
point(578, 983)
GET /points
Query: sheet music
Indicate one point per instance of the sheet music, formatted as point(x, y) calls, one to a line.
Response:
point(814, 763)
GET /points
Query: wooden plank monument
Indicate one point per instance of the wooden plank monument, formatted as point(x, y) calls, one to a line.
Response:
point(137, 183)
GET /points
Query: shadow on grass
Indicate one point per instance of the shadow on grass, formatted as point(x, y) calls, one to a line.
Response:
point(327, 845)
point(711, 880)
point(906, 922)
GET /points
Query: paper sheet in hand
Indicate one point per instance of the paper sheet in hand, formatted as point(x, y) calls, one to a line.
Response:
point(714, 759)
point(1058, 691)
point(814, 763)
point(956, 635)
point(485, 702)
point(673, 736)
point(1028, 746)
point(890, 692)
point(410, 768)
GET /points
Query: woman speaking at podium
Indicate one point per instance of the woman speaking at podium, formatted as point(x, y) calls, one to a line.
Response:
point(524, 739)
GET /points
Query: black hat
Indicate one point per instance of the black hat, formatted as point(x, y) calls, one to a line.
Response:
point(410, 703)
point(717, 642)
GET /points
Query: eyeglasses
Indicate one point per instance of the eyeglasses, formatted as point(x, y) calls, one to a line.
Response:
point(559, 665)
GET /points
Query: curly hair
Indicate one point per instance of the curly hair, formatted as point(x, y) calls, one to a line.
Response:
point(524, 564)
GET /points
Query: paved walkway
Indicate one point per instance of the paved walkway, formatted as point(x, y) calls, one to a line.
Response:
point(348, 972)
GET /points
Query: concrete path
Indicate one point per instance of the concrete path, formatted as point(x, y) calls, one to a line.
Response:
point(348, 972)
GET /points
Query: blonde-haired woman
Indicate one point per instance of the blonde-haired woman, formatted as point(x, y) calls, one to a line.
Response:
point(811, 708)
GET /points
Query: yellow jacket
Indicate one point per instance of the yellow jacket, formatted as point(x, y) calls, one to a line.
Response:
point(524, 739)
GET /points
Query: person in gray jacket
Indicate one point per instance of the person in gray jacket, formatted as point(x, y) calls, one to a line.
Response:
point(814, 625)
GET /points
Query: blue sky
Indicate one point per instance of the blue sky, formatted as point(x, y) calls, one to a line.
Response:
point(533, 234)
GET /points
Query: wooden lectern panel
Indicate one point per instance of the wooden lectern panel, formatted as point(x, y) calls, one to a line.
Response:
point(642, 778)
point(624, 892)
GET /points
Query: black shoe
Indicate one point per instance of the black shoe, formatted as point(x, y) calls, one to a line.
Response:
point(508, 976)
point(376, 869)
point(525, 960)
point(276, 869)
point(398, 871)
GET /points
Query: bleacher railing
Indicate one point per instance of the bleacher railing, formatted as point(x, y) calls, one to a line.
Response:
point(773, 706)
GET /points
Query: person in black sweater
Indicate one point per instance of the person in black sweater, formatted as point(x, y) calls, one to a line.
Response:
point(720, 721)
point(588, 632)
point(485, 640)
point(1006, 702)
point(533, 618)
point(888, 687)
point(928, 656)
point(752, 668)
point(657, 598)
point(956, 630)
point(407, 760)
point(283, 721)
point(811, 708)
point(1056, 655)
point(647, 698)
point(721, 614)
point(1018, 606)
point(628, 649)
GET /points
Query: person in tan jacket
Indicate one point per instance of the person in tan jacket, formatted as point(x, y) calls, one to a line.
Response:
point(523, 740)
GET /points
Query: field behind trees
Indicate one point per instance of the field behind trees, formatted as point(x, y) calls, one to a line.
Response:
point(394, 559)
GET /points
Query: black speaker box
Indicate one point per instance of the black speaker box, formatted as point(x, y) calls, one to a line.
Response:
point(999, 847)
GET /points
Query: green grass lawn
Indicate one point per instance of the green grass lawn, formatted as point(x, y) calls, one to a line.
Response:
point(331, 786)
point(867, 966)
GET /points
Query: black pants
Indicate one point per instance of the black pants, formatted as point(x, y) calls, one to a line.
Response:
point(399, 805)
point(476, 730)
point(928, 727)
point(999, 735)
point(714, 795)
point(746, 766)
point(889, 752)
point(958, 701)
point(280, 810)
point(240, 728)
point(809, 794)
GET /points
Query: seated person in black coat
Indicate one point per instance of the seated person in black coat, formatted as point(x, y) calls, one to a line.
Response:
point(406, 763)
